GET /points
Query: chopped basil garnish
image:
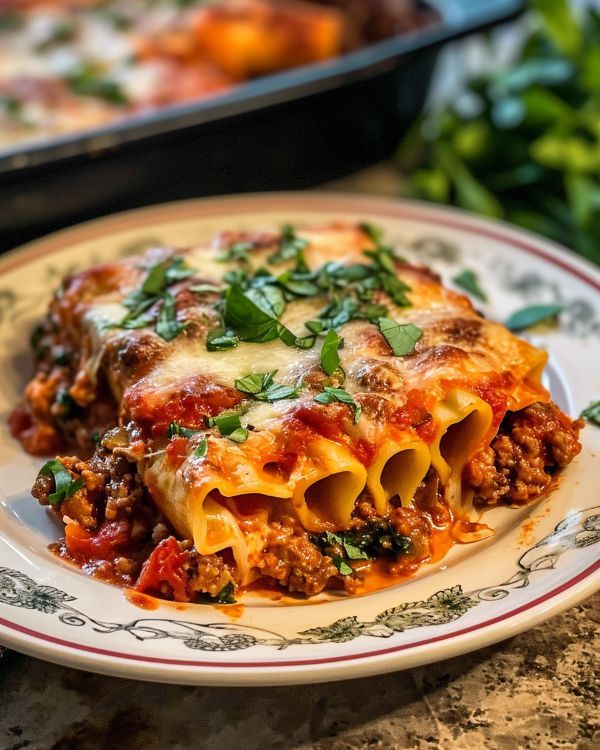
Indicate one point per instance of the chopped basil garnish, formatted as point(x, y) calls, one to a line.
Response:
point(253, 319)
point(530, 316)
point(180, 431)
point(229, 425)
point(330, 358)
point(366, 542)
point(402, 337)
point(64, 484)
point(290, 245)
point(201, 448)
point(592, 413)
point(373, 231)
point(167, 325)
point(342, 566)
point(153, 290)
point(352, 551)
point(236, 253)
point(468, 281)
point(163, 275)
point(262, 387)
point(225, 595)
point(87, 80)
point(205, 288)
point(221, 339)
point(331, 395)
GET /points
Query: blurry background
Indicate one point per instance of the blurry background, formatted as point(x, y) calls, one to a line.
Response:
point(112, 104)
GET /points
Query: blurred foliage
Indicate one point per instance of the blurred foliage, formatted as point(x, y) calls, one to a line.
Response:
point(523, 143)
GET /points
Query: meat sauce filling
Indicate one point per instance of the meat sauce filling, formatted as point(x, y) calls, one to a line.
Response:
point(114, 530)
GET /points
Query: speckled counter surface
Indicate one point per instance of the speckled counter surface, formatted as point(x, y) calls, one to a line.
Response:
point(538, 690)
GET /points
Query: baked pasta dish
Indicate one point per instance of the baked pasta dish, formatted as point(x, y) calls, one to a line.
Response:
point(285, 410)
point(70, 65)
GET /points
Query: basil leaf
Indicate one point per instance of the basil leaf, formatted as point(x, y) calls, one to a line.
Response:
point(468, 280)
point(251, 322)
point(255, 383)
point(180, 431)
point(206, 288)
point(229, 425)
point(396, 289)
point(237, 252)
point(330, 358)
point(300, 287)
point(262, 387)
point(371, 312)
point(239, 436)
point(373, 232)
point(167, 325)
point(352, 551)
point(225, 595)
point(201, 449)
point(532, 315)
point(592, 413)
point(88, 81)
point(277, 392)
point(64, 484)
point(305, 342)
point(314, 326)
point(221, 339)
point(331, 395)
point(401, 337)
point(289, 245)
point(342, 566)
point(268, 298)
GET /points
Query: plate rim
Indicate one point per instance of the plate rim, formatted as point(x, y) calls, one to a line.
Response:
point(324, 668)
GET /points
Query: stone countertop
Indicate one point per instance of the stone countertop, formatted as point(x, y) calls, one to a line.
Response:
point(537, 690)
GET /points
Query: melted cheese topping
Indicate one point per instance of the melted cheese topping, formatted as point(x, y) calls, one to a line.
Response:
point(437, 406)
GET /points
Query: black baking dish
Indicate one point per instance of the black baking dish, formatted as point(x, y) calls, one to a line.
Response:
point(284, 131)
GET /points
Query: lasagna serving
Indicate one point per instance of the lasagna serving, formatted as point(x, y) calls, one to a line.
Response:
point(279, 410)
point(70, 65)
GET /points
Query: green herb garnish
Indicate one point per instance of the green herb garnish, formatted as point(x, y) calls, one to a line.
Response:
point(532, 315)
point(342, 566)
point(468, 281)
point(331, 395)
point(290, 245)
point(253, 318)
point(167, 325)
point(592, 413)
point(229, 425)
point(64, 484)
point(330, 357)
point(201, 449)
point(238, 252)
point(402, 337)
point(263, 388)
point(178, 430)
point(352, 551)
point(153, 290)
point(220, 339)
point(225, 595)
point(88, 80)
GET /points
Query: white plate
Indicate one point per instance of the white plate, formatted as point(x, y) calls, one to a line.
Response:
point(542, 559)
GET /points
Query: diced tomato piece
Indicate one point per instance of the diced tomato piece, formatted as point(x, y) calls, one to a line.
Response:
point(104, 544)
point(165, 565)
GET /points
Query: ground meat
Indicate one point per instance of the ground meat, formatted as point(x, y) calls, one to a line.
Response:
point(208, 574)
point(518, 466)
point(112, 490)
point(293, 560)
